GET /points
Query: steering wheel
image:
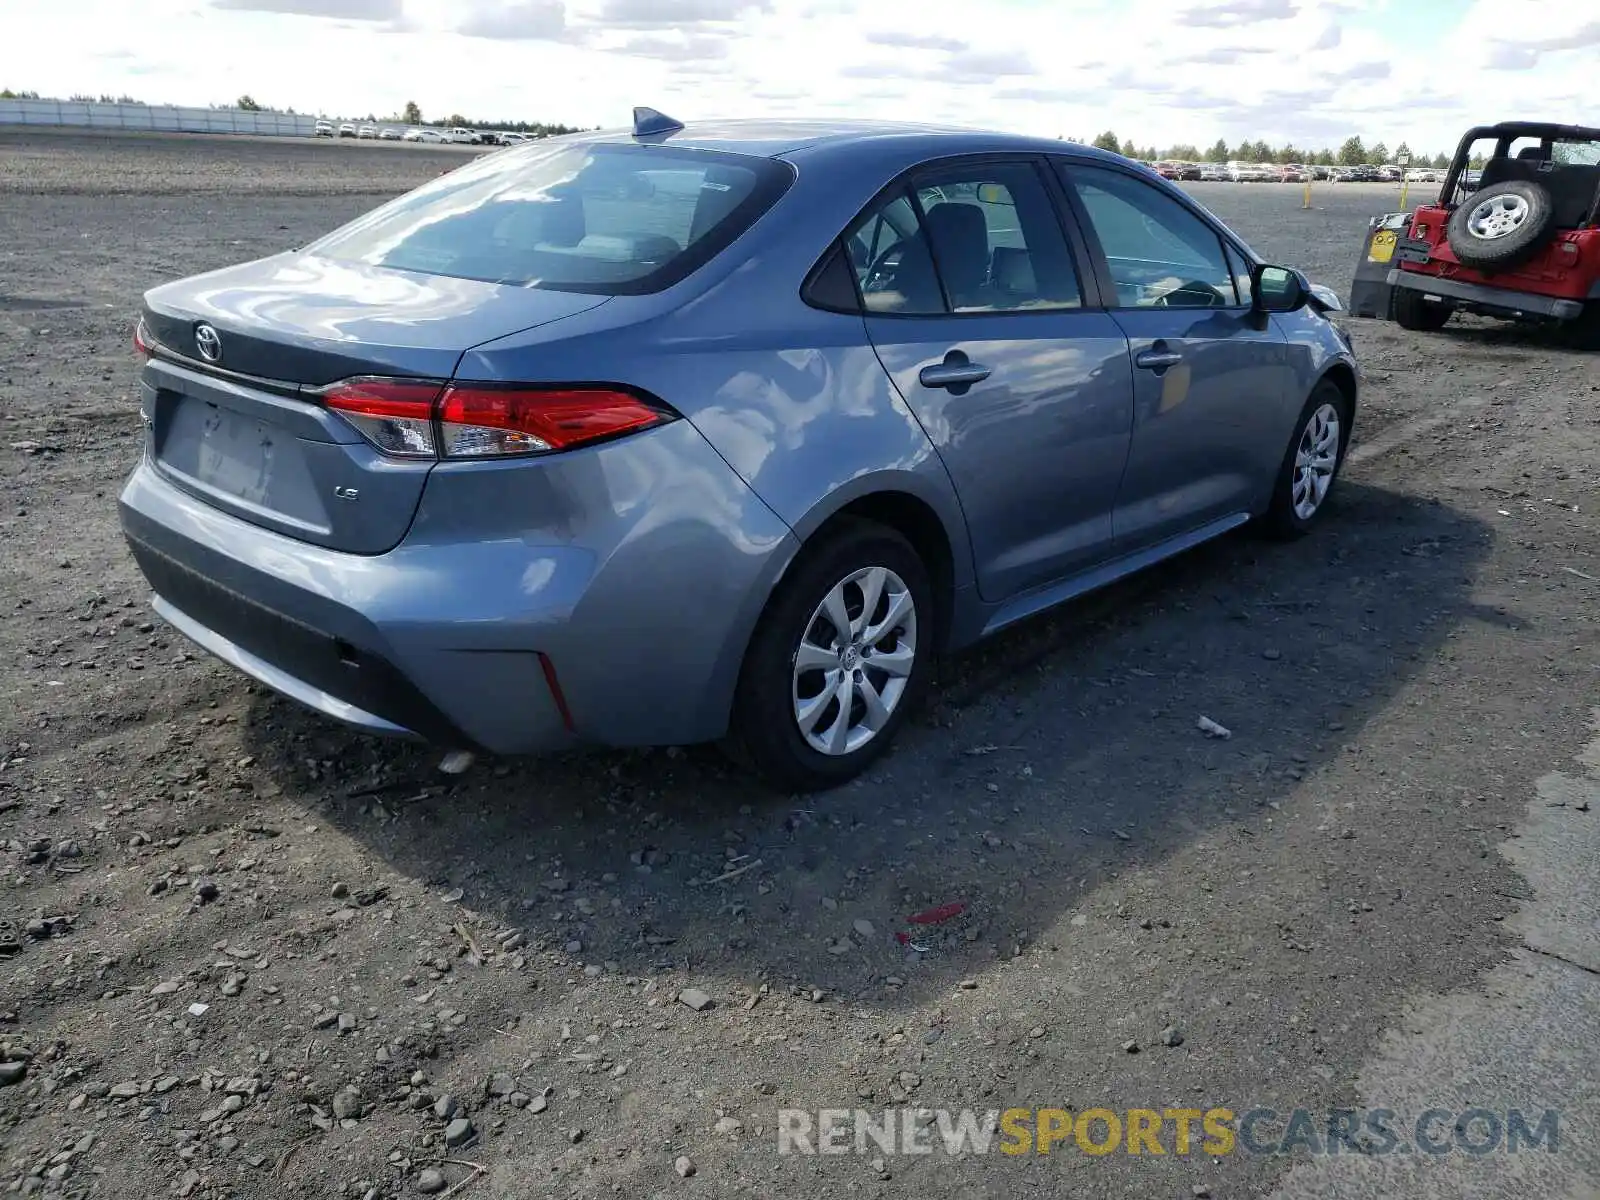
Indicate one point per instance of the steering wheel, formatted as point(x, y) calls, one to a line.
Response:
point(880, 275)
point(1204, 296)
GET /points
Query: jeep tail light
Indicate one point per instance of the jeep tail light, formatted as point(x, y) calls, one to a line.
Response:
point(395, 415)
point(415, 418)
point(1568, 251)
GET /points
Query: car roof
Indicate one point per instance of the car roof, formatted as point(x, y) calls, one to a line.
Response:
point(772, 138)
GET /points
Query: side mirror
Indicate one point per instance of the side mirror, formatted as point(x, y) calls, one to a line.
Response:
point(1277, 290)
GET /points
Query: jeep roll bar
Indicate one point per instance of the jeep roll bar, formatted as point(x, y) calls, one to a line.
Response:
point(1503, 135)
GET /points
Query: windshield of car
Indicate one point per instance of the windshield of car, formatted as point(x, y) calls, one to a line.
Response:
point(602, 218)
point(1576, 154)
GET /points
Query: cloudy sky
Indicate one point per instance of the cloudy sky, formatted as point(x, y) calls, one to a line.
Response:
point(1159, 71)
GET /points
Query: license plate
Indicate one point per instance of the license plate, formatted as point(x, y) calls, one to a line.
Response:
point(225, 451)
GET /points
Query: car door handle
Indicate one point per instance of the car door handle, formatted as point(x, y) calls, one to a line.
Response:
point(952, 373)
point(1157, 360)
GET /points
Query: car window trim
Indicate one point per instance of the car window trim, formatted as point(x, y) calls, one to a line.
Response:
point(1063, 164)
point(1088, 283)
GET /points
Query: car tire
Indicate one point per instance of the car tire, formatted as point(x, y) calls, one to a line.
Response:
point(776, 692)
point(1413, 312)
point(1501, 225)
point(1288, 514)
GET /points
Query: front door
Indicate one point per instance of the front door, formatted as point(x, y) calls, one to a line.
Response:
point(975, 309)
point(1211, 379)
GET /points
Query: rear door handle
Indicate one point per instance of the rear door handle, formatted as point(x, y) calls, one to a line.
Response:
point(1157, 360)
point(953, 373)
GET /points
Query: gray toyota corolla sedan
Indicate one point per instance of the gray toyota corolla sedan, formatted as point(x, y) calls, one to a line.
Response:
point(682, 433)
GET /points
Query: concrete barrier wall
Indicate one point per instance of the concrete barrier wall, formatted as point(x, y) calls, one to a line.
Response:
point(164, 118)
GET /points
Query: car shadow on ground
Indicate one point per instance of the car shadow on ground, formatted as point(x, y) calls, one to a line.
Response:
point(1536, 339)
point(1050, 760)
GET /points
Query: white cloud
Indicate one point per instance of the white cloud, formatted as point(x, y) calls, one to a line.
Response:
point(675, 14)
point(1231, 14)
point(1157, 71)
point(520, 20)
point(350, 10)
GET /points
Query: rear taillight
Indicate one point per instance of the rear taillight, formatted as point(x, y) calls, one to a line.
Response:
point(395, 415)
point(141, 344)
point(488, 422)
point(415, 418)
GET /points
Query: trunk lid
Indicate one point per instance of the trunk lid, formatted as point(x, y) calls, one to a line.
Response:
point(246, 431)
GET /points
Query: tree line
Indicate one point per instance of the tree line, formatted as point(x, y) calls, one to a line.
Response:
point(1353, 153)
point(411, 114)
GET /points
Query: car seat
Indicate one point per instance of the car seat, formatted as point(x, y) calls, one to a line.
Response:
point(960, 236)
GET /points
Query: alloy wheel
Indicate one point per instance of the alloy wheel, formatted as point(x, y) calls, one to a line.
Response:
point(854, 661)
point(1315, 461)
point(1498, 216)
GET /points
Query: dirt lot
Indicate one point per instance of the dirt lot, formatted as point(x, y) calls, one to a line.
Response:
point(245, 953)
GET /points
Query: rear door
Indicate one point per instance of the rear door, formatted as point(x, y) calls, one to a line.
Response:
point(1211, 380)
point(976, 308)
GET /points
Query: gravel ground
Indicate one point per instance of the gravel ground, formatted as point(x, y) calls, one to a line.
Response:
point(246, 953)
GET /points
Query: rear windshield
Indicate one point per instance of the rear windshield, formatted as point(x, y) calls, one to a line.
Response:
point(603, 218)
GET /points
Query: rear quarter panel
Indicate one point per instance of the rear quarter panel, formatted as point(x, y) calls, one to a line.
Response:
point(792, 397)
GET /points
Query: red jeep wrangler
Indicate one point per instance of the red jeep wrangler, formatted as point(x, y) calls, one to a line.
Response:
point(1521, 240)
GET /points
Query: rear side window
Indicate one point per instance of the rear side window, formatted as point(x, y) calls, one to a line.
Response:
point(965, 239)
point(889, 252)
point(602, 218)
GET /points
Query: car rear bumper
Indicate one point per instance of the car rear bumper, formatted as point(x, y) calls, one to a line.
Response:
point(516, 641)
point(1499, 300)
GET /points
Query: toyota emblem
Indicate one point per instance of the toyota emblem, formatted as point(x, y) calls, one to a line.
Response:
point(208, 342)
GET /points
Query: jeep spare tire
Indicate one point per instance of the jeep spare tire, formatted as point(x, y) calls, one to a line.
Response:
point(1502, 225)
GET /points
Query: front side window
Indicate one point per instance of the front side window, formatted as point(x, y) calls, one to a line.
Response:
point(1161, 255)
point(970, 239)
point(1240, 270)
point(599, 218)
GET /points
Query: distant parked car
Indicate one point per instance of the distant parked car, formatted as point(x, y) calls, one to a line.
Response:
point(460, 136)
point(1294, 173)
point(461, 467)
point(347, 130)
point(388, 134)
point(513, 139)
point(1214, 173)
point(367, 131)
point(323, 129)
point(1249, 172)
